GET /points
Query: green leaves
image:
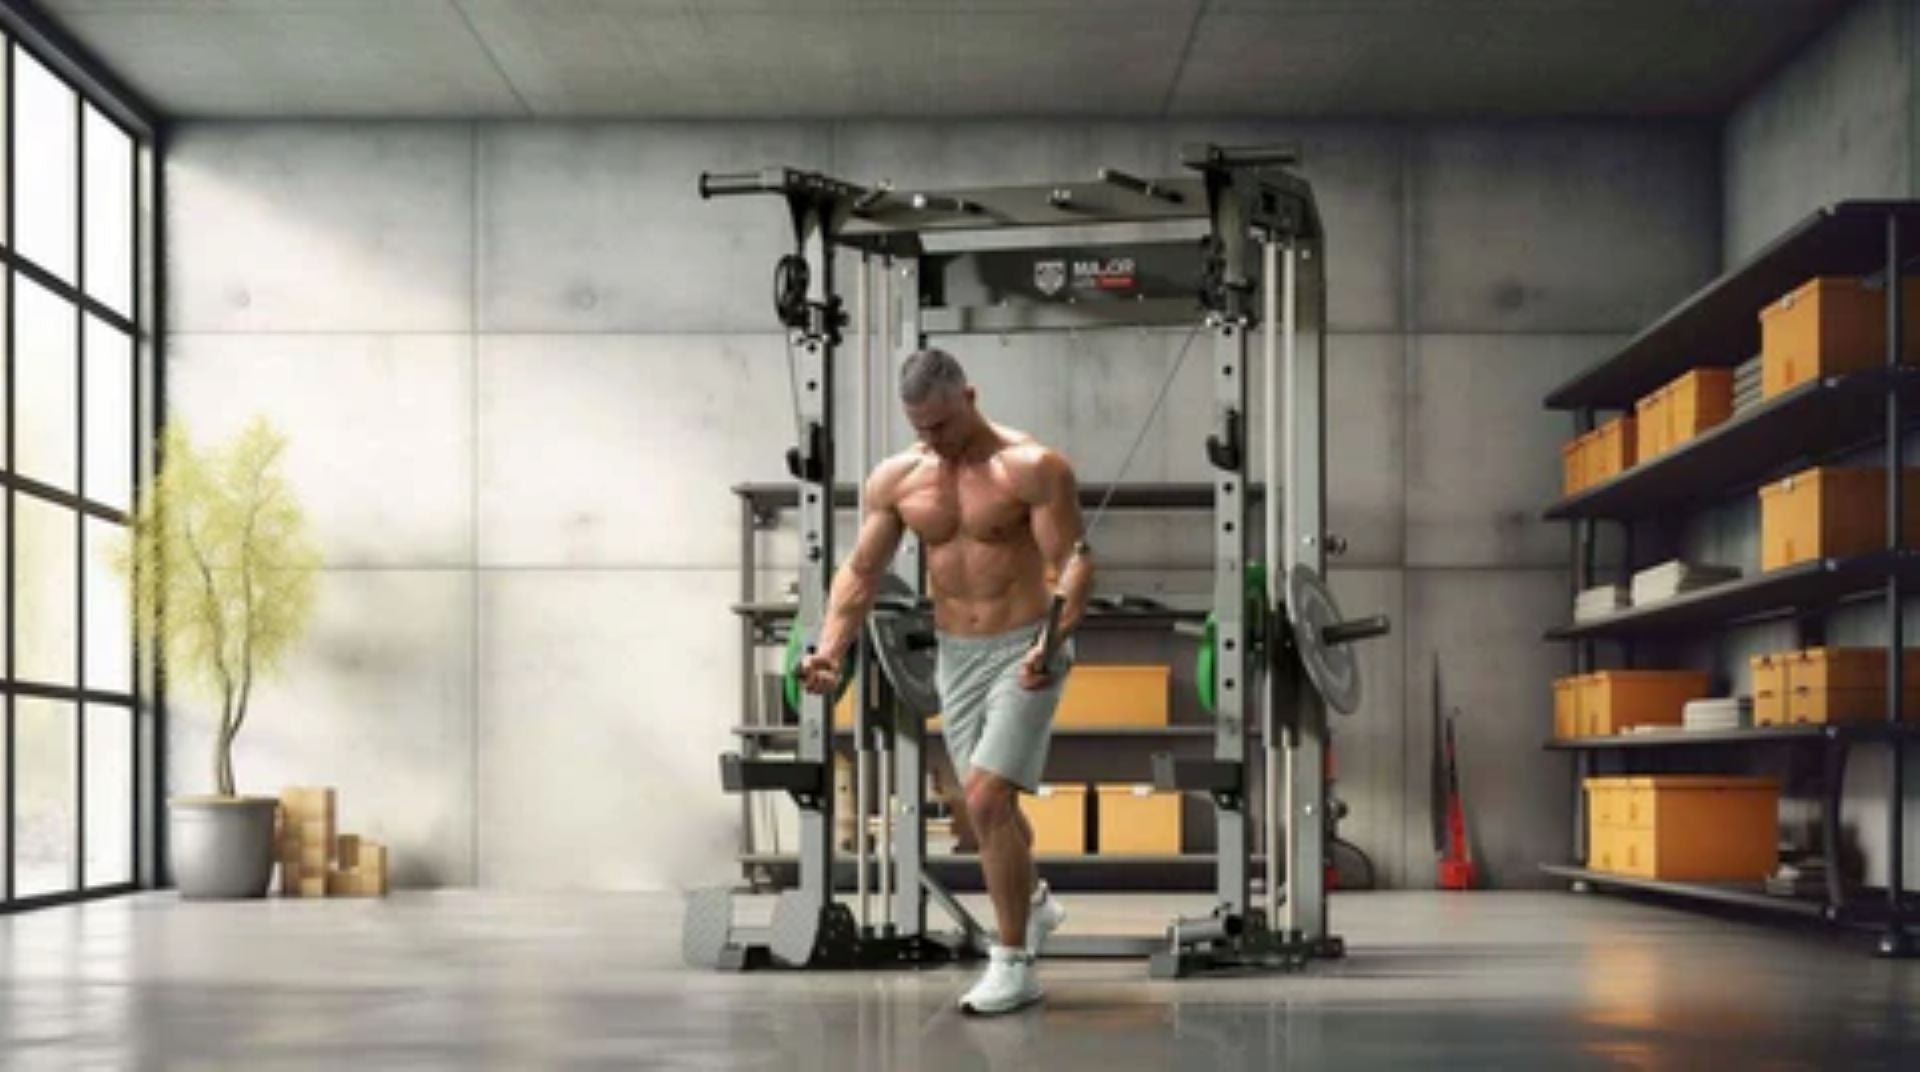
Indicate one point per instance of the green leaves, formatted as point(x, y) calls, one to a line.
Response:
point(222, 568)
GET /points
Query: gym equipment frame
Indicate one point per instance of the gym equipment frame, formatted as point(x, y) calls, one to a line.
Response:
point(1235, 249)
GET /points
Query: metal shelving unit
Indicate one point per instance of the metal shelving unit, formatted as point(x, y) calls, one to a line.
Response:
point(1806, 425)
point(764, 623)
point(1862, 912)
point(1834, 744)
point(1794, 590)
point(1785, 735)
point(1801, 426)
point(1743, 894)
point(1719, 325)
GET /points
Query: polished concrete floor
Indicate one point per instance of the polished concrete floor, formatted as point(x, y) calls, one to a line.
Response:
point(483, 980)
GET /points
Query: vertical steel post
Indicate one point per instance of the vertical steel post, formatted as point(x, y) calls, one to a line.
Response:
point(815, 360)
point(1304, 308)
point(1896, 941)
point(909, 761)
point(863, 687)
point(1234, 849)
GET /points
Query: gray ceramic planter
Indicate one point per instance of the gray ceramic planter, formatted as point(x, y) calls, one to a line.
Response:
point(221, 847)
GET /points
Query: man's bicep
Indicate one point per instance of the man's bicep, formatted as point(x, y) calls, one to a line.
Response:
point(879, 538)
point(1057, 521)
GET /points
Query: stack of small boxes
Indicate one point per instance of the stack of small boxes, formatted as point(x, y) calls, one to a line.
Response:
point(362, 871)
point(306, 841)
point(309, 849)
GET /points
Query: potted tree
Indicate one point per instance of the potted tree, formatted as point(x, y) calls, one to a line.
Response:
point(222, 572)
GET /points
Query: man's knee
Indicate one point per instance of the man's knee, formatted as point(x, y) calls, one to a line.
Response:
point(991, 803)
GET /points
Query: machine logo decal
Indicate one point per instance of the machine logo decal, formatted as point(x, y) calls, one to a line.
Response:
point(1113, 273)
point(1049, 276)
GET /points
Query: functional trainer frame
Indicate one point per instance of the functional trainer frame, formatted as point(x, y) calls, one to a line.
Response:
point(1236, 249)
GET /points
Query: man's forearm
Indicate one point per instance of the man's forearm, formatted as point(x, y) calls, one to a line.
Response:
point(847, 605)
point(1076, 586)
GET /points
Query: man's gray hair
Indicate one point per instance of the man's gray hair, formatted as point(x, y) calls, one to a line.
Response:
point(928, 373)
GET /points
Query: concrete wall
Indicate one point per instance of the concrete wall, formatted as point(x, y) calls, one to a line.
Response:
point(1837, 122)
point(1840, 121)
point(521, 366)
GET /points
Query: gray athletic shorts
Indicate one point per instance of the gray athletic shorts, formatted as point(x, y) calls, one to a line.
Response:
point(991, 722)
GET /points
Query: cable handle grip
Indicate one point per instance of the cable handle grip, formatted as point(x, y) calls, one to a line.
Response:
point(1049, 638)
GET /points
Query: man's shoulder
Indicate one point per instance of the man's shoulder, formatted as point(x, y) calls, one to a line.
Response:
point(1029, 454)
point(894, 470)
point(1036, 469)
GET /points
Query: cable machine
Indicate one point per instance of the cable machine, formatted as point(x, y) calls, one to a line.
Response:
point(1235, 250)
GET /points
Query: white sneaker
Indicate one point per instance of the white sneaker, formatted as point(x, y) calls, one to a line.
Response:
point(1009, 983)
point(1043, 917)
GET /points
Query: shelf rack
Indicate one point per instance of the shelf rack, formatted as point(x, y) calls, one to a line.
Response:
point(1826, 418)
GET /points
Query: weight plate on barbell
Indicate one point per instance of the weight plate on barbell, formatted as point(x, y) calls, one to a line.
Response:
point(1331, 667)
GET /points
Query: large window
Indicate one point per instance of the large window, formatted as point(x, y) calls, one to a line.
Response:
point(71, 202)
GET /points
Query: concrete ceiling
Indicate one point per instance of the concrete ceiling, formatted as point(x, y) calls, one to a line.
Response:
point(699, 59)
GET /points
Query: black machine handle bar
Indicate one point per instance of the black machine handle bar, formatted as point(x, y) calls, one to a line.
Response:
point(1357, 629)
point(737, 183)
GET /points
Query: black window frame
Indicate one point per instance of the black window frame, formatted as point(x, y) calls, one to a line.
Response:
point(97, 90)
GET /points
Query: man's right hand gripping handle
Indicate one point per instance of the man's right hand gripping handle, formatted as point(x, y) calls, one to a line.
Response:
point(819, 673)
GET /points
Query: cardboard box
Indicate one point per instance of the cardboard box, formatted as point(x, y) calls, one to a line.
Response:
point(362, 870)
point(1650, 425)
point(1611, 449)
point(373, 861)
point(1115, 695)
point(1820, 686)
point(1828, 326)
point(1769, 688)
point(1821, 707)
point(1696, 402)
point(1573, 465)
point(309, 803)
point(1615, 700)
point(1831, 513)
point(1058, 814)
point(1848, 668)
point(355, 884)
point(1137, 820)
point(1687, 828)
point(1682, 409)
point(1566, 707)
point(1606, 802)
point(1605, 850)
